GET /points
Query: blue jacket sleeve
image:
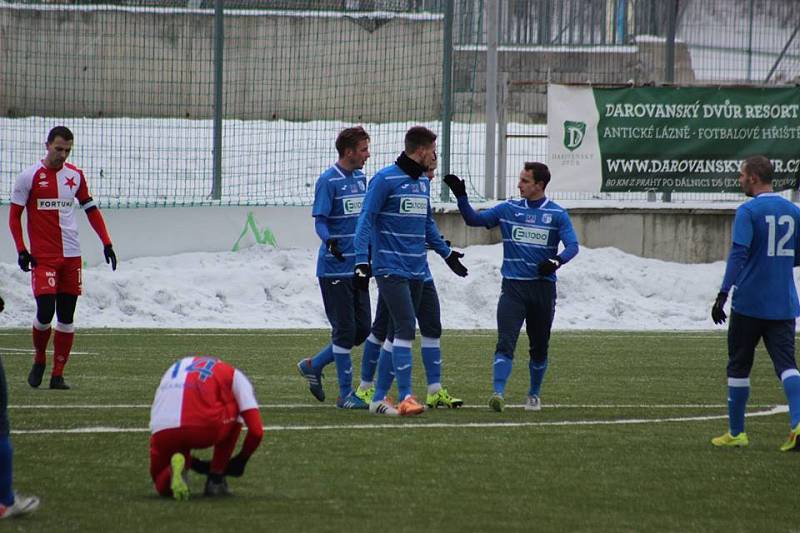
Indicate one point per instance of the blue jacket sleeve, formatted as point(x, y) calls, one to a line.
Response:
point(433, 238)
point(487, 219)
point(736, 260)
point(321, 227)
point(373, 202)
point(569, 238)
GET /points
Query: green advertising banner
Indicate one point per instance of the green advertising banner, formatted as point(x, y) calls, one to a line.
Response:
point(687, 139)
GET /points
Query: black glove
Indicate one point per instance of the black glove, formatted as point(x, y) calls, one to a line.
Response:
point(200, 466)
point(548, 266)
point(455, 265)
point(361, 276)
point(2, 305)
point(25, 261)
point(717, 310)
point(456, 185)
point(333, 248)
point(236, 465)
point(111, 257)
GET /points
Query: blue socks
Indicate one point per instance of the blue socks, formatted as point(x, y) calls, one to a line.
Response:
point(501, 369)
point(537, 376)
point(791, 386)
point(401, 357)
point(6, 452)
point(385, 372)
point(738, 392)
point(323, 358)
point(344, 370)
point(369, 362)
point(432, 360)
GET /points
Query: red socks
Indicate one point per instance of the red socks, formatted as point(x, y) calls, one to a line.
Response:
point(40, 339)
point(62, 346)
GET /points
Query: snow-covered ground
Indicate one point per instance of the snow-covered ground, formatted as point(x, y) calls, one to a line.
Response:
point(264, 287)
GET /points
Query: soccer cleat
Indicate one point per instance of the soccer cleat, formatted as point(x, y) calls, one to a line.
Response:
point(410, 406)
point(22, 505)
point(35, 375)
point(533, 403)
point(366, 395)
point(180, 489)
point(58, 383)
point(497, 403)
point(729, 441)
point(351, 401)
point(442, 398)
point(314, 379)
point(383, 407)
point(217, 489)
point(791, 443)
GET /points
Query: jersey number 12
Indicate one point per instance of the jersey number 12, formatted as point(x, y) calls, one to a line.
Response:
point(780, 249)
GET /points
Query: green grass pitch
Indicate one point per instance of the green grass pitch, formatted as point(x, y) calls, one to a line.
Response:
point(622, 443)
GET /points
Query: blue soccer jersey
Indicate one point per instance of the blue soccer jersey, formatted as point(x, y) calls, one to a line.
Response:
point(768, 226)
point(338, 198)
point(531, 232)
point(397, 220)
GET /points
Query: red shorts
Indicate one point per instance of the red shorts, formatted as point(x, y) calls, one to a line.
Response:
point(54, 275)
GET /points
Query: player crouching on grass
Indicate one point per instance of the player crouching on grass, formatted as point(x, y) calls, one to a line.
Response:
point(198, 404)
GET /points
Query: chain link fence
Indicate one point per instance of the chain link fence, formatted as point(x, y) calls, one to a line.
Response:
point(143, 83)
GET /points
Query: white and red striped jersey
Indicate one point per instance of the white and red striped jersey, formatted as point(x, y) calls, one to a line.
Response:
point(200, 391)
point(49, 199)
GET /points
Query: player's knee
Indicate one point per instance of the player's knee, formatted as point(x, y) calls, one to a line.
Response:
point(538, 356)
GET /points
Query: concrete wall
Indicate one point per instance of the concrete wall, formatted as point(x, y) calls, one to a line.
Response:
point(105, 62)
point(673, 234)
point(122, 63)
point(682, 235)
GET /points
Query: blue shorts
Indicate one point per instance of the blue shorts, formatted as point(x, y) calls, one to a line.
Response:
point(744, 332)
point(529, 301)
point(428, 316)
point(348, 311)
point(402, 298)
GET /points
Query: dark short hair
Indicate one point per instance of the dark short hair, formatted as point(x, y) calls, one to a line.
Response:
point(59, 131)
point(349, 138)
point(418, 136)
point(540, 172)
point(758, 165)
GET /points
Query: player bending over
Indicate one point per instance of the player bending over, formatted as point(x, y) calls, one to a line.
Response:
point(199, 404)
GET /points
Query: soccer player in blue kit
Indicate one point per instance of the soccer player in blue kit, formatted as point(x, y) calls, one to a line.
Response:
point(397, 221)
point(338, 197)
point(765, 248)
point(532, 228)
point(430, 328)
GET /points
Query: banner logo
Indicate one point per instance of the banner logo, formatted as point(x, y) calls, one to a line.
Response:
point(573, 134)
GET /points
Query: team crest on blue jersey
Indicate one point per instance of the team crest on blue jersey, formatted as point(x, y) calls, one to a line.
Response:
point(530, 219)
point(547, 218)
point(423, 187)
point(361, 186)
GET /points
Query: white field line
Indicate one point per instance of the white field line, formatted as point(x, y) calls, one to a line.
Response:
point(651, 334)
point(331, 406)
point(435, 425)
point(4, 350)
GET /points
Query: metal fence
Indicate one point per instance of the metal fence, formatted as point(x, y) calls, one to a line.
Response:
point(194, 102)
